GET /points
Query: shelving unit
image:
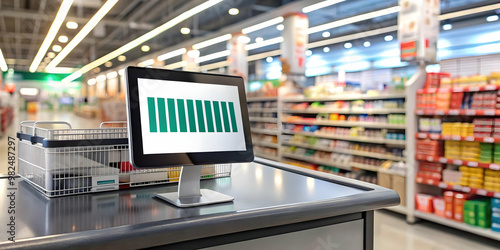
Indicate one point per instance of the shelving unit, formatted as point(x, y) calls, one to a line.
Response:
point(348, 97)
point(459, 188)
point(345, 111)
point(316, 161)
point(351, 124)
point(350, 138)
point(265, 126)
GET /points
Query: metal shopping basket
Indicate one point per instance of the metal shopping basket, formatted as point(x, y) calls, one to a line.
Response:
point(73, 161)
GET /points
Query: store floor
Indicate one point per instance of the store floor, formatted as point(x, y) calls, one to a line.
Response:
point(391, 229)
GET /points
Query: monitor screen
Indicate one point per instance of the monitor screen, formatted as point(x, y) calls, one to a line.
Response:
point(181, 118)
point(196, 117)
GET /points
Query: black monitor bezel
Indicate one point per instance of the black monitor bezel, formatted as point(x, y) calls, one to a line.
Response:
point(140, 160)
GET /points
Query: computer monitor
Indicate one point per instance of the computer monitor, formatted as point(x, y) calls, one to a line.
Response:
point(187, 119)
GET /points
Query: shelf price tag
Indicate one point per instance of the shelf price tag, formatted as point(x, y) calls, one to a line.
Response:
point(420, 112)
point(489, 112)
point(470, 112)
point(490, 87)
point(472, 164)
point(443, 160)
point(496, 195)
point(430, 182)
point(469, 138)
point(466, 189)
point(474, 89)
point(456, 137)
point(489, 139)
point(458, 162)
point(454, 112)
point(434, 136)
point(482, 192)
point(458, 89)
point(457, 187)
point(430, 158)
point(443, 185)
point(422, 135)
point(439, 112)
point(495, 166)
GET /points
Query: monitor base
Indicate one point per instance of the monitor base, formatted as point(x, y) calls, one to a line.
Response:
point(189, 193)
point(207, 197)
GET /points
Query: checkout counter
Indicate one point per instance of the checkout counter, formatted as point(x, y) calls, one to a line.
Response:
point(276, 206)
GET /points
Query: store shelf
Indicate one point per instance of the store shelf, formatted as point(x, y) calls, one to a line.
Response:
point(262, 110)
point(347, 151)
point(469, 190)
point(264, 131)
point(350, 138)
point(398, 209)
point(485, 232)
point(262, 99)
point(344, 111)
point(444, 160)
point(350, 124)
point(265, 144)
point(456, 138)
point(459, 112)
point(263, 119)
point(315, 161)
point(267, 156)
point(345, 97)
point(364, 166)
point(489, 87)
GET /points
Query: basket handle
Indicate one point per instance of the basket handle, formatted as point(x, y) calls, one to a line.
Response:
point(113, 122)
point(25, 122)
point(48, 122)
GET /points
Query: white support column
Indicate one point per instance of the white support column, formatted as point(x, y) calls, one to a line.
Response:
point(237, 60)
point(293, 47)
point(191, 60)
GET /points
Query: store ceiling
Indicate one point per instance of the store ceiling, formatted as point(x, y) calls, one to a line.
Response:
point(24, 24)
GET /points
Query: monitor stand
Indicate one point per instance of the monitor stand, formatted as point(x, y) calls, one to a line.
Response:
point(189, 193)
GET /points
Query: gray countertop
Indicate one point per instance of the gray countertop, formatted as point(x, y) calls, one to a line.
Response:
point(266, 195)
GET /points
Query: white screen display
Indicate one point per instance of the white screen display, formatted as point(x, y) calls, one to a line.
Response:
point(186, 117)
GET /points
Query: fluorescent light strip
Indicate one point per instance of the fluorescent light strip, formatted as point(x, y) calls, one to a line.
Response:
point(3, 63)
point(148, 62)
point(171, 54)
point(262, 25)
point(354, 19)
point(54, 28)
point(101, 78)
point(82, 34)
point(72, 77)
point(112, 74)
point(469, 11)
point(215, 65)
point(264, 43)
point(146, 37)
point(340, 39)
point(320, 5)
point(212, 41)
point(176, 65)
point(63, 70)
point(213, 56)
point(263, 55)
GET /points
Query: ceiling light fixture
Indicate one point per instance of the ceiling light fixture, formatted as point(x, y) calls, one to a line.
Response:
point(259, 39)
point(108, 64)
point(447, 26)
point(106, 7)
point(146, 37)
point(193, 53)
point(388, 38)
point(243, 39)
point(269, 59)
point(233, 11)
point(62, 39)
point(347, 45)
point(213, 56)
point(91, 81)
point(111, 75)
point(492, 18)
point(212, 41)
point(46, 60)
point(326, 49)
point(56, 48)
point(71, 25)
point(264, 43)
point(171, 54)
point(3, 63)
point(54, 28)
point(122, 58)
point(325, 34)
point(101, 78)
point(308, 52)
point(185, 30)
point(148, 62)
point(354, 19)
point(51, 55)
point(121, 72)
point(280, 27)
point(367, 44)
point(263, 25)
point(320, 5)
point(28, 91)
point(145, 48)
